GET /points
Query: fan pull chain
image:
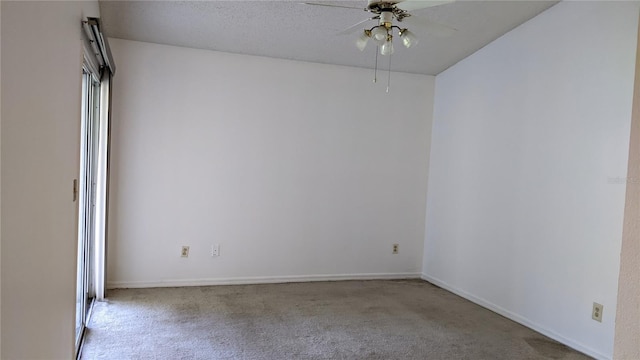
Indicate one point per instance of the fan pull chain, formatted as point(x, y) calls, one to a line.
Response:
point(389, 74)
point(375, 71)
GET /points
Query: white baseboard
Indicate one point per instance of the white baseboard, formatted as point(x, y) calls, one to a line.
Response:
point(258, 280)
point(517, 318)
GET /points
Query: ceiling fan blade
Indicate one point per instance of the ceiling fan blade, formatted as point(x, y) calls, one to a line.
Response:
point(410, 5)
point(334, 6)
point(354, 27)
point(429, 27)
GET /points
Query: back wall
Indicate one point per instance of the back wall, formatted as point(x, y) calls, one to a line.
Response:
point(297, 170)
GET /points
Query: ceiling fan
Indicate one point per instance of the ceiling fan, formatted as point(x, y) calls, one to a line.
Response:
point(388, 11)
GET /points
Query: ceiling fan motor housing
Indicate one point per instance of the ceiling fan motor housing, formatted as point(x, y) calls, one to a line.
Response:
point(386, 9)
point(377, 6)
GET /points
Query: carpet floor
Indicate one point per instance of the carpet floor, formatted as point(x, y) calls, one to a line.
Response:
point(377, 319)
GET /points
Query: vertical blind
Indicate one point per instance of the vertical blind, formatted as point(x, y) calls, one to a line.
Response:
point(98, 58)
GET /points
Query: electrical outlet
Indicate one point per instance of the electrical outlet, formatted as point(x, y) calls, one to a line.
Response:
point(596, 313)
point(395, 248)
point(185, 251)
point(215, 250)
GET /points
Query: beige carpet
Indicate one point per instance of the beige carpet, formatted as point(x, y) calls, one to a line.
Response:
point(408, 319)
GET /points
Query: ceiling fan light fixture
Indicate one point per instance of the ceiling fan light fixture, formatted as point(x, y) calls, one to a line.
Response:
point(362, 41)
point(379, 34)
point(408, 38)
point(387, 47)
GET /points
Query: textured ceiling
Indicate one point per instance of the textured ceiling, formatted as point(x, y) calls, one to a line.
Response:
point(291, 30)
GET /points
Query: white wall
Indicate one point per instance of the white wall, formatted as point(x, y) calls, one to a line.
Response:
point(529, 152)
point(297, 170)
point(41, 86)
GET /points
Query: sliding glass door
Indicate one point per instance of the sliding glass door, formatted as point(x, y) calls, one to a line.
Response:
point(86, 190)
point(92, 186)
